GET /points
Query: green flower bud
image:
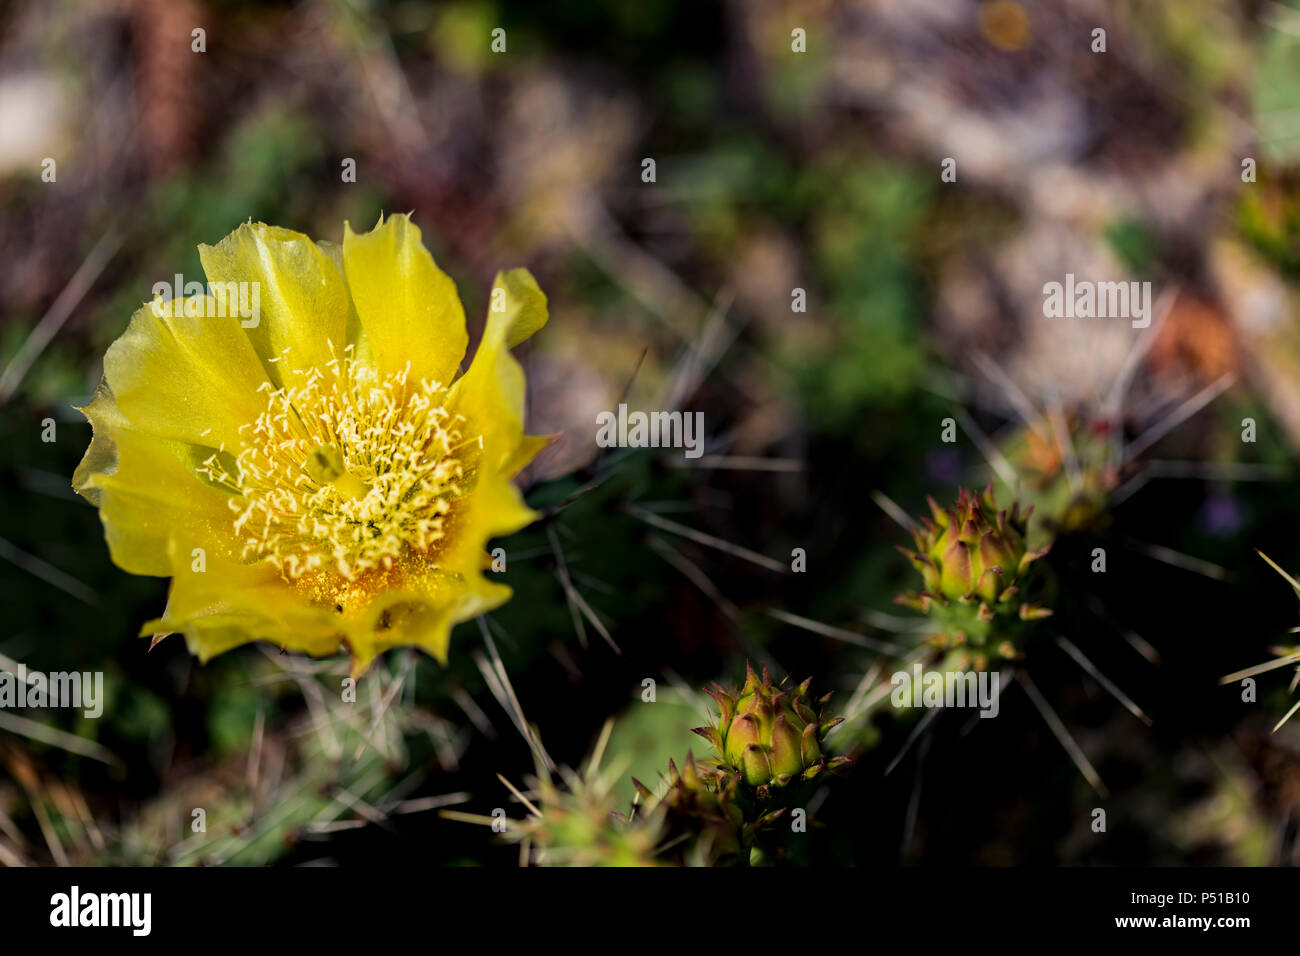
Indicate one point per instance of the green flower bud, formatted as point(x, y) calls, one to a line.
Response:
point(766, 736)
point(977, 571)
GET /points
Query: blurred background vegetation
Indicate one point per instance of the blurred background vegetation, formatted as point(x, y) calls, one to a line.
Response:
point(775, 171)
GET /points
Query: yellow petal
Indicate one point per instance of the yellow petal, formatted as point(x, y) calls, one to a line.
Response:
point(518, 306)
point(408, 306)
point(414, 618)
point(228, 604)
point(495, 509)
point(303, 302)
point(104, 416)
point(491, 393)
point(355, 335)
point(179, 372)
point(528, 448)
point(152, 496)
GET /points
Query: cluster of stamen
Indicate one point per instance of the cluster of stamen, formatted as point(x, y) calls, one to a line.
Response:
point(344, 470)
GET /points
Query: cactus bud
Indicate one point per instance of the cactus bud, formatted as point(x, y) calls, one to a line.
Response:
point(768, 737)
point(978, 574)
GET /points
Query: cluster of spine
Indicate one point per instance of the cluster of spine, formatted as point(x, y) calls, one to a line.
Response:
point(579, 825)
point(769, 745)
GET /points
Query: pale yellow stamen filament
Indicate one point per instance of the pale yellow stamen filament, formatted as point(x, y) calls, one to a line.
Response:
point(345, 469)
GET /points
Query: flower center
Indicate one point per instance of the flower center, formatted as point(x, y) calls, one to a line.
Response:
point(344, 470)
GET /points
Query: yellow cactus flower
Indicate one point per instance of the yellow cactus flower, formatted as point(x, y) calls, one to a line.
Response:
point(315, 475)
